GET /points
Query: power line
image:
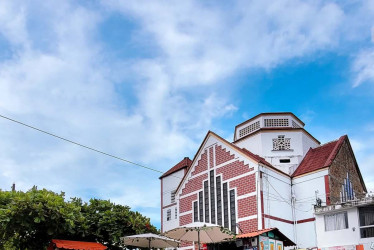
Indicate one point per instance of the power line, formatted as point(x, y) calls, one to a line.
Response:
point(81, 145)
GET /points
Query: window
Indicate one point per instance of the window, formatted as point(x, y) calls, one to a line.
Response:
point(168, 214)
point(219, 200)
point(225, 206)
point(172, 198)
point(347, 192)
point(195, 212)
point(276, 122)
point(232, 211)
point(249, 129)
point(176, 213)
point(282, 143)
point(366, 215)
point(212, 198)
point(206, 200)
point(336, 221)
point(284, 160)
point(201, 208)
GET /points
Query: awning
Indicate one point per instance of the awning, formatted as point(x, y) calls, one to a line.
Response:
point(77, 245)
point(286, 241)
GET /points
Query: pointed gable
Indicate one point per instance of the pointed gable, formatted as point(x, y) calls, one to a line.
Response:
point(320, 157)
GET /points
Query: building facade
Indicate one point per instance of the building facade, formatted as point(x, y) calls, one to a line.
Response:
point(348, 225)
point(271, 175)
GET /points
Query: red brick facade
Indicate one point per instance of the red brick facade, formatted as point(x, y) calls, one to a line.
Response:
point(194, 184)
point(222, 155)
point(244, 185)
point(185, 219)
point(248, 226)
point(202, 164)
point(247, 207)
point(233, 169)
point(185, 204)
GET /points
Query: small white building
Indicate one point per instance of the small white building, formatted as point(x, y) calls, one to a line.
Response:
point(346, 226)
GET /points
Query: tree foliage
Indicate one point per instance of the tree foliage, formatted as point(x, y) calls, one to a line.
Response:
point(29, 220)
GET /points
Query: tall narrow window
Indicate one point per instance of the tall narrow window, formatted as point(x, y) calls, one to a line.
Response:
point(347, 192)
point(232, 211)
point(176, 212)
point(225, 206)
point(195, 212)
point(219, 200)
point(168, 214)
point(206, 199)
point(212, 198)
point(172, 198)
point(201, 206)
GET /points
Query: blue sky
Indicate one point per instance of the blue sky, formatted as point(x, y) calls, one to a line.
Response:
point(146, 80)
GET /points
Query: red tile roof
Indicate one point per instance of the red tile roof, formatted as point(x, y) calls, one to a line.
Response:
point(185, 163)
point(286, 241)
point(320, 157)
point(78, 245)
point(253, 234)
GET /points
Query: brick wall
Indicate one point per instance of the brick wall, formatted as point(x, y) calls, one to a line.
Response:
point(194, 184)
point(222, 155)
point(244, 185)
point(185, 219)
point(211, 162)
point(202, 164)
point(344, 162)
point(185, 204)
point(248, 226)
point(233, 169)
point(247, 207)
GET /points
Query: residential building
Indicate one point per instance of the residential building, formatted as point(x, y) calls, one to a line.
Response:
point(345, 226)
point(271, 175)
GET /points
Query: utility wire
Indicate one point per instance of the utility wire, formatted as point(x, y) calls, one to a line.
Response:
point(81, 145)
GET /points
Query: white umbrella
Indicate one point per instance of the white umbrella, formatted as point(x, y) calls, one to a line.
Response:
point(200, 232)
point(149, 240)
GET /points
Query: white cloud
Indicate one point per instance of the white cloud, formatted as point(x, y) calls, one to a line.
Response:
point(363, 66)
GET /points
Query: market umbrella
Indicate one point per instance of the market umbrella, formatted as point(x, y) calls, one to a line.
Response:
point(149, 240)
point(200, 232)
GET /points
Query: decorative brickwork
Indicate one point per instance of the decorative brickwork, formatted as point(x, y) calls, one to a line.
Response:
point(344, 163)
point(202, 164)
point(222, 155)
point(244, 185)
point(185, 219)
point(194, 184)
point(233, 169)
point(185, 204)
point(247, 207)
point(211, 162)
point(248, 226)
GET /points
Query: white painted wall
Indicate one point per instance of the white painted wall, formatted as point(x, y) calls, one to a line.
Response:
point(345, 236)
point(304, 189)
point(277, 200)
point(169, 184)
point(252, 143)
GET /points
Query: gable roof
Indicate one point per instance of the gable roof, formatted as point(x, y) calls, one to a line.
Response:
point(185, 163)
point(81, 245)
point(242, 151)
point(320, 157)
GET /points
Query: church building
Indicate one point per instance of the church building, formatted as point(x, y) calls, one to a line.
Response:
point(271, 175)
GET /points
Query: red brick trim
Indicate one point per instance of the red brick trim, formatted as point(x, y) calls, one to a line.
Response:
point(327, 190)
point(278, 219)
point(170, 205)
point(288, 221)
point(306, 220)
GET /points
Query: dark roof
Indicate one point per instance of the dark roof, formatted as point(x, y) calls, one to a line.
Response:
point(286, 241)
point(320, 157)
point(185, 163)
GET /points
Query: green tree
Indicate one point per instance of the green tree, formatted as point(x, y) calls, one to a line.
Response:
point(29, 220)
